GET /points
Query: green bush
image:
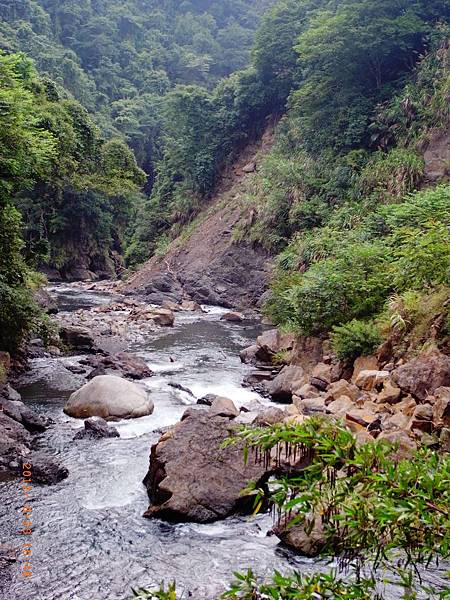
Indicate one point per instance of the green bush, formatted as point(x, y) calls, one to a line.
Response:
point(18, 315)
point(357, 338)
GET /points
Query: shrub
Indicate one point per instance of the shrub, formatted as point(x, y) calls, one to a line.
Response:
point(355, 339)
point(18, 314)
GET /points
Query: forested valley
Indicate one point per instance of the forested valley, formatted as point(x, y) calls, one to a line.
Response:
point(269, 170)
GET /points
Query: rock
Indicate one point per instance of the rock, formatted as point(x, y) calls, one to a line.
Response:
point(173, 306)
point(420, 425)
point(193, 478)
point(273, 342)
point(207, 400)
point(162, 287)
point(324, 372)
point(77, 338)
point(45, 470)
point(343, 388)
point(96, 429)
point(184, 389)
point(441, 407)
point(232, 317)
point(307, 391)
point(163, 318)
point(53, 375)
point(371, 380)
point(126, 364)
point(223, 407)
point(397, 421)
point(423, 412)
point(364, 363)
point(46, 301)
point(111, 398)
point(310, 406)
point(406, 407)
point(341, 407)
point(281, 388)
point(270, 416)
point(191, 306)
point(424, 374)
point(320, 384)
point(390, 394)
point(304, 540)
point(249, 355)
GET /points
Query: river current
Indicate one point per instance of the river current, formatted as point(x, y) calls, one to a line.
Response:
point(90, 541)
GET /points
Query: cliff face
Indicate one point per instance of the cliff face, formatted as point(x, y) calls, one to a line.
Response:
point(206, 263)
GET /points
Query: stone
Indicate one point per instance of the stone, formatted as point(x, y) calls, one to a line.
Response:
point(273, 342)
point(324, 372)
point(45, 470)
point(423, 412)
point(193, 478)
point(232, 317)
point(302, 538)
point(111, 398)
point(420, 425)
point(249, 355)
point(96, 429)
point(406, 407)
point(344, 388)
point(371, 380)
point(125, 364)
point(320, 384)
point(270, 416)
point(223, 407)
point(390, 394)
point(173, 306)
point(281, 388)
point(340, 407)
point(77, 338)
point(163, 317)
point(191, 306)
point(207, 400)
point(307, 391)
point(444, 440)
point(397, 421)
point(423, 375)
point(364, 363)
point(310, 406)
point(441, 407)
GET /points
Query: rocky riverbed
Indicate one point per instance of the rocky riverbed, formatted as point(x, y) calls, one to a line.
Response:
point(178, 365)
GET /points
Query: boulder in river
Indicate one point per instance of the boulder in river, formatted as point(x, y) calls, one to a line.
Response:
point(95, 429)
point(45, 469)
point(125, 364)
point(111, 398)
point(78, 338)
point(193, 478)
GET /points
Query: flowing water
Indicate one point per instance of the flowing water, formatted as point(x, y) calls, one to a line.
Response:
point(90, 541)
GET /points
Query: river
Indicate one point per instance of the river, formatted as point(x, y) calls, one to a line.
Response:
point(90, 541)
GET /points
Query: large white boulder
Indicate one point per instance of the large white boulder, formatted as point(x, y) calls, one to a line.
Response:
point(111, 398)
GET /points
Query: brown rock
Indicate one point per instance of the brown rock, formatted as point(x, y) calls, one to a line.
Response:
point(419, 425)
point(423, 412)
point(390, 394)
point(344, 388)
point(371, 380)
point(273, 342)
point(163, 317)
point(407, 406)
point(310, 406)
point(441, 407)
point(424, 374)
point(341, 407)
point(364, 363)
point(324, 372)
point(191, 306)
point(232, 317)
point(305, 542)
point(444, 440)
point(281, 388)
point(270, 416)
point(223, 407)
point(307, 391)
point(193, 478)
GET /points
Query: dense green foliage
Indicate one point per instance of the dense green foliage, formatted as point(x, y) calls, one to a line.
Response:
point(70, 185)
point(371, 503)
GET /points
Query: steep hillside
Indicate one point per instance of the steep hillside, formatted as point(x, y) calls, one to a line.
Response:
point(206, 262)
